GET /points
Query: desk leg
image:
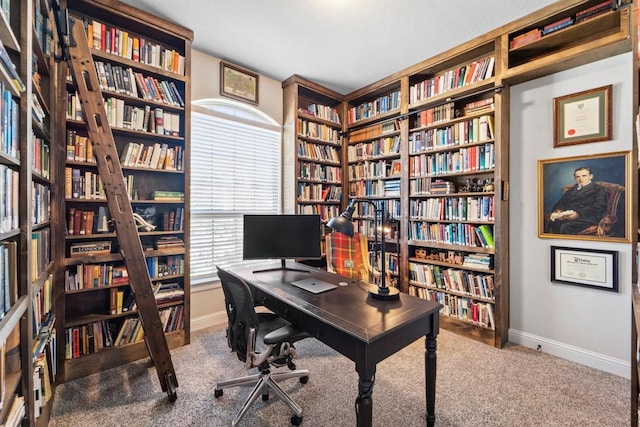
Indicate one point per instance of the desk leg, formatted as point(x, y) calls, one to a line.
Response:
point(430, 378)
point(364, 401)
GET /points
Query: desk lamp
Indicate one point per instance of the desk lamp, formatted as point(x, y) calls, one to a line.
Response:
point(344, 224)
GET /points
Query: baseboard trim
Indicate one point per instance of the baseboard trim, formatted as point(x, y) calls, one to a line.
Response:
point(599, 361)
point(208, 320)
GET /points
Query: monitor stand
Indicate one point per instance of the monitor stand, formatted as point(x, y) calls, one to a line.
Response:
point(283, 267)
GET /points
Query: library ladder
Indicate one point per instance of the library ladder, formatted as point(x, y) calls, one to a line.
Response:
point(77, 53)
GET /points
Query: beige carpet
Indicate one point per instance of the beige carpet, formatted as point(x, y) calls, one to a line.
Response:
point(477, 385)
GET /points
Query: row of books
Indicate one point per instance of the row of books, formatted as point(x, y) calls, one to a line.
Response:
point(478, 261)
point(163, 266)
point(9, 192)
point(430, 186)
point(8, 275)
point(438, 114)
point(8, 65)
point(40, 251)
point(40, 203)
point(374, 188)
point(9, 121)
point(172, 220)
point(326, 212)
point(40, 157)
point(452, 279)
point(43, 317)
point(452, 234)
point(117, 41)
point(129, 117)
point(90, 276)
point(319, 172)
point(324, 112)
point(91, 338)
point(79, 148)
point(369, 109)
point(448, 80)
point(157, 156)
point(462, 308)
point(325, 153)
point(557, 25)
point(475, 130)
point(82, 184)
point(373, 169)
point(479, 208)
point(467, 159)
point(319, 131)
point(374, 131)
point(368, 210)
point(384, 146)
point(116, 78)
point(319, 192)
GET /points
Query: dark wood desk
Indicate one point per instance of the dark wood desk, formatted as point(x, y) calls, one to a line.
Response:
point(364, 329)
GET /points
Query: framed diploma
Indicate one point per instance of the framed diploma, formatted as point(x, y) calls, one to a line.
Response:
point(592, 268)
point(582, 117)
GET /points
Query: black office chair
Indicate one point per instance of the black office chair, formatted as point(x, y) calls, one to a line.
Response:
point(261, 340)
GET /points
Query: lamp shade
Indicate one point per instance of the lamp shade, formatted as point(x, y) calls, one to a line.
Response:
point(344, 222)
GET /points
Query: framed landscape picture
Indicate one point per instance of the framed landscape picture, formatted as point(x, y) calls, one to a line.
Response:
point(585, 197)
point(238, 83)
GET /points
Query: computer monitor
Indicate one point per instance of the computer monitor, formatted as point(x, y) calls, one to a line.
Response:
point(281, 237)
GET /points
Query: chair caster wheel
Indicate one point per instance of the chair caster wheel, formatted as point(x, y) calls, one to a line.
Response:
point(265, 397)
point(217, 393)
point(291, 366)
point(304, 379)
point(296, 420)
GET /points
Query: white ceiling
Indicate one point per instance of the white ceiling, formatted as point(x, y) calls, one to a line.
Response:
point(340, 44)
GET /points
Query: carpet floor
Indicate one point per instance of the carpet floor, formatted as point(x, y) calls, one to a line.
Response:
point(477, 385)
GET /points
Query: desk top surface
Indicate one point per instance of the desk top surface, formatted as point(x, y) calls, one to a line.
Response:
point(347, 308)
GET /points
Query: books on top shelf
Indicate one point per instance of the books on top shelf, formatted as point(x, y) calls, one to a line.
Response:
point(594, 10)
point(525, 38)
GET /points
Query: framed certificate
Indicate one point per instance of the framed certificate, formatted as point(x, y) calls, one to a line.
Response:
point(582, 117)
point(592, 268)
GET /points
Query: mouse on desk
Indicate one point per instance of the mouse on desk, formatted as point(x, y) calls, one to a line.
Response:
point(343, 283)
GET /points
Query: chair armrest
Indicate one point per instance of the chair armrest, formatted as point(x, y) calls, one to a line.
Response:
point(287, 333)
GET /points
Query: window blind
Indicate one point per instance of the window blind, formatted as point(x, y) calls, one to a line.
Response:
point(235, 170)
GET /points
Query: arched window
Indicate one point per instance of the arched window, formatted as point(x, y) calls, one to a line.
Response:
point(235, 170)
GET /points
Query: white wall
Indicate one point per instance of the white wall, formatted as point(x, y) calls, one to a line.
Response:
point(207, 301)
point(586, 325)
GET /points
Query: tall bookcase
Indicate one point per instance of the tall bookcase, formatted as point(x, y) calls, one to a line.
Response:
point(375, 169)
point(26, 268)
point(143, 64)
point(452, 122)
point(313, 150)
point(455, 156)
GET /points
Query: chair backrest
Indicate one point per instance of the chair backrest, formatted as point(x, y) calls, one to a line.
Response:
point(348, 256)
point(243, 323)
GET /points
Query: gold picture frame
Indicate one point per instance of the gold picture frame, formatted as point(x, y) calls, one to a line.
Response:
point(610, 180)
point(582, 117)
point(239, 83)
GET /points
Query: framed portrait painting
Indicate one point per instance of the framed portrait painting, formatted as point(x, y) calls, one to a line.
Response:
point(585, 197)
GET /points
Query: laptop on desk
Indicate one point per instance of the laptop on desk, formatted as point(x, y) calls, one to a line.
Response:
point(312, 285)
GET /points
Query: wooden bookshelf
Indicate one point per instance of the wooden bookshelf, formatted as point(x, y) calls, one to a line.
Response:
point(25, 226)
point(444, 87)
point(313, 152)
point(600, 36)
point(146, 88)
